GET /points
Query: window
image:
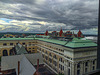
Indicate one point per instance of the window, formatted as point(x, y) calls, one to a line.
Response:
point(69, 64)
point(29, 48)
point(23, 43)
point(46, 52)
point(4, 44)
point(85, 69)
point(46, 57)
point(78, 72)
point(55, 63)
point(60, 59)
point(50, 60)
point(86, 64)
point(50, 54)
point(93, 68)
point(68, 71)
point(55, 56)
point(59, 65)
point(78, 65)
point(33, 48)
point(42, 50)
point(93, 62)
point(63, 67)
point(43, 56)
point(11, 43)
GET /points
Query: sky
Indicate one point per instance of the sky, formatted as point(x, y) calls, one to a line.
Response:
point(52, 15)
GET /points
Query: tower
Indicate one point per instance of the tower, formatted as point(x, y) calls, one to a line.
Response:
point(79, 34)
point(61, 32)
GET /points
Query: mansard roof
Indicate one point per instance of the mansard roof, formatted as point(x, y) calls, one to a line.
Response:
point(74, 43)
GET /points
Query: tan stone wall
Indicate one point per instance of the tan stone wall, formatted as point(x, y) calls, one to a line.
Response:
point(30, 45)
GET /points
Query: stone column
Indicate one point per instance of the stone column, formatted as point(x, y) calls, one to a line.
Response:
point(66, 68)
point(81, 68)
point(73, 69)
point(58, 63)
point(8, 51)
point(90, 65)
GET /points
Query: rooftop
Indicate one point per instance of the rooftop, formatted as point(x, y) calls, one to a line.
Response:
point(2, 39)
point(11, 62)
point(74, 43)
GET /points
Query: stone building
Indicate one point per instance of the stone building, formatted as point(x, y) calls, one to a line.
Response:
point(75, 57)
point(8, 44)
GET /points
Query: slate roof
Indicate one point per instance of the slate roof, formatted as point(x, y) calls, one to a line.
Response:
point(26, 68)
point(20, 49)
point(11, 62)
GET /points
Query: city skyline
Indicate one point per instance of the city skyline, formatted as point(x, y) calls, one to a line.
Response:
point(41, 15)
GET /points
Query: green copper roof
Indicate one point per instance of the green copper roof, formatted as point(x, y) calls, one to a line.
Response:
point(52, 41)
point(80, 43)
point(16, 39)
point(75, 43)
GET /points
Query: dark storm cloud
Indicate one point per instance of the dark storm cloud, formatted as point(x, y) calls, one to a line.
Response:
point(80, 14)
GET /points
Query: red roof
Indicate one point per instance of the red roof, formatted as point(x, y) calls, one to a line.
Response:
point(46, 33)
point(61, 32)
point(79, 33)
point(39, 34)
point(54, 31)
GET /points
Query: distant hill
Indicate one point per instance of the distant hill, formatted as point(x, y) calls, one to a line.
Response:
point(17, 33)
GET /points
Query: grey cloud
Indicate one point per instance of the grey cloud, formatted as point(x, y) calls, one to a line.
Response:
point(82, 14)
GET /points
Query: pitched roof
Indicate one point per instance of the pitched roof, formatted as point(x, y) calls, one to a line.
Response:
point(26, 68)
point(20, 49)
point(11, 62)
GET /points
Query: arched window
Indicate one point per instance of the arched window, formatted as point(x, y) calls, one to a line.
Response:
point(5, 53)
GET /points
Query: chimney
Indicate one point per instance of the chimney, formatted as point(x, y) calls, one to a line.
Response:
point(18, 67)
point(37, 64)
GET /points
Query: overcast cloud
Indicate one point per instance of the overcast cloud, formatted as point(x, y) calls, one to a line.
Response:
point(42, 15)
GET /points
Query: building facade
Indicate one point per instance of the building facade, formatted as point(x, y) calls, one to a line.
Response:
point(74, 57)
point(8, 44)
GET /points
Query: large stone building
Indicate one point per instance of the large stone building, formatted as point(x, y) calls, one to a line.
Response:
point(8, 44)
point(75, 57)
